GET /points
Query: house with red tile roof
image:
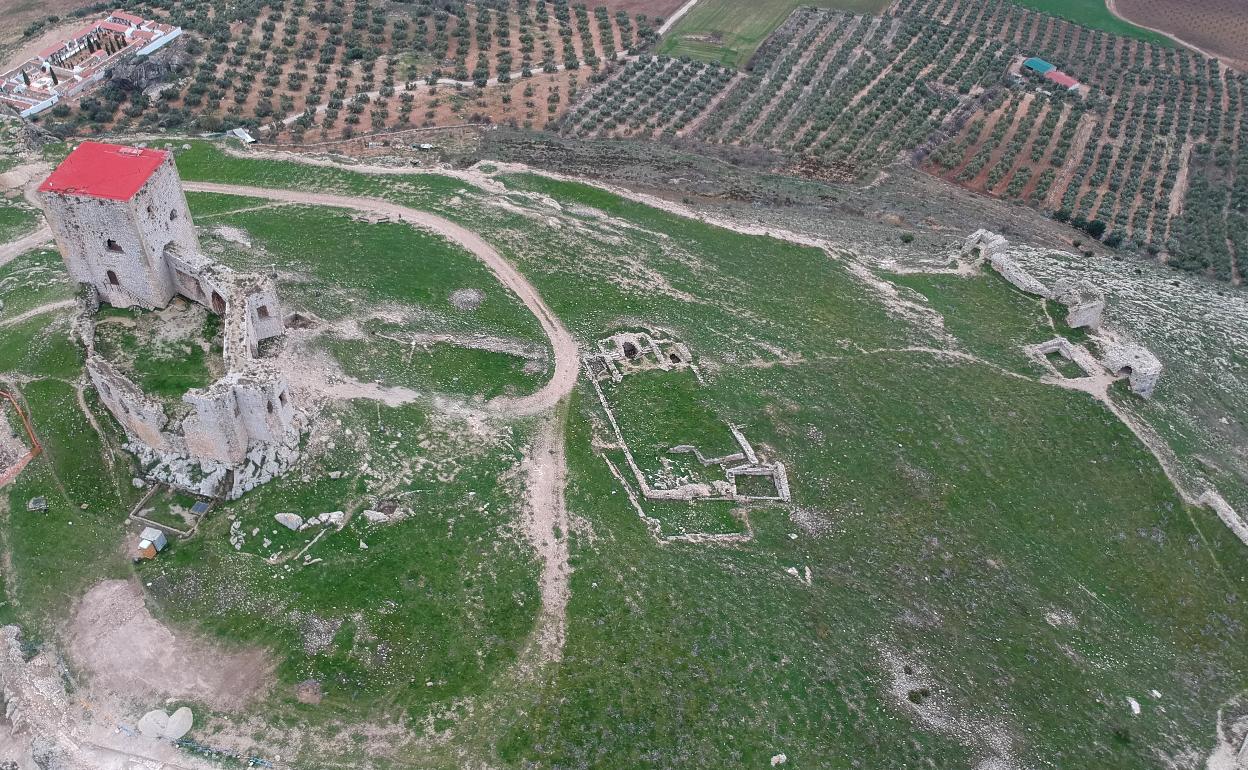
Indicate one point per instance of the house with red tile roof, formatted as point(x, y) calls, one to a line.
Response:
point(82, 59)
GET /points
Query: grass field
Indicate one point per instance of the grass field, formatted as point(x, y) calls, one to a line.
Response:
point(729, 31)
point(995, 565)
point(1094, 14)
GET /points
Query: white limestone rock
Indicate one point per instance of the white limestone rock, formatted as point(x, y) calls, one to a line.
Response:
point(290, 521)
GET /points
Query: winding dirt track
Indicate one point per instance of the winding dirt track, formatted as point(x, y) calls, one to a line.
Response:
point(563, 346)
point(13, 249)
point(545, 524)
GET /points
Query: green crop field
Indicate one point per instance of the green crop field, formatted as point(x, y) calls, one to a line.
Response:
point(1094, 14)
point(977, 568)
point(729, 31)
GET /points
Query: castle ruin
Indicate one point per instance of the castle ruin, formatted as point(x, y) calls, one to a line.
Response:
point(124, 230)
point(1084, 303)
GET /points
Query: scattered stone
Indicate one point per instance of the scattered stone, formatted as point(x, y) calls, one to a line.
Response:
point(138, 482)
point(779, 759)
point(37, 504)
point(290, 521)
point(363, 546)
point(467, 299)
point(335, 475)
point(376, 517)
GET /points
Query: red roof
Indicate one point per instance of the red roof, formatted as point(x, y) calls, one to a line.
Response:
point(1061, 78)
point(87, 30)
point(45, 53)
point(113, 26)
point(130, 17)
point(104, 171)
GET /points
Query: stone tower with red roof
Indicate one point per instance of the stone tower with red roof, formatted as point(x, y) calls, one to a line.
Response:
point(121, 222)
point(123, 228)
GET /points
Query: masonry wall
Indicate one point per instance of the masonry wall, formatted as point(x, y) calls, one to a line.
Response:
point(119, 247)
point(141, 416)
point(153, 256)
point(215, 429)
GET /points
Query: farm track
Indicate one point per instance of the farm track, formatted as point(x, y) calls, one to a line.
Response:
point(563, 346)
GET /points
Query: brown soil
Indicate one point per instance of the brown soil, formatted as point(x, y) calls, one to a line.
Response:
point(126, 652)
point(1216, 27)
point(19, 14)
point(653, 9)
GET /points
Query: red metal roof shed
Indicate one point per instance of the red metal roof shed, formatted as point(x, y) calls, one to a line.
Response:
point(1061, 78)
point(102, 170)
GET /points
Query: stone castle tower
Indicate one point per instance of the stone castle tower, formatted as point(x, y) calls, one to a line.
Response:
point(120, 220)
point(123, 228)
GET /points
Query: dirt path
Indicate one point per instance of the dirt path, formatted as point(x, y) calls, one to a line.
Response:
point(567, 357)
point(14, 249)
point(35, 311)
point(675, 17)
point(545, 525)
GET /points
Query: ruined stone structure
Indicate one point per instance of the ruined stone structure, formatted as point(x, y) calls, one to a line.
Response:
point(1084, 303)
point(1068, 350)
point(1139, 366)
point(629, 352)
point(124, 230)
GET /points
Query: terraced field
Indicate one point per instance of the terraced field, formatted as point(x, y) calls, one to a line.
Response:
point(1147, 156)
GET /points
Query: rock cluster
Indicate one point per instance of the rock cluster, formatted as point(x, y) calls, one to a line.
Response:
point(35, 703)
point(295, 522)
point(212, 478)
point(159, 724)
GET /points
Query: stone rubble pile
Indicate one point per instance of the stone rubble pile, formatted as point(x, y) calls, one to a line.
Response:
point(212, 478)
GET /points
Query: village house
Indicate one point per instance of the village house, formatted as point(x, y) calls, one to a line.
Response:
point(69, 67)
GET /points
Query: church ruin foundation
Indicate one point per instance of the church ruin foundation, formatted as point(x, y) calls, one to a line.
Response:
point(123, 228)
point(630, 352)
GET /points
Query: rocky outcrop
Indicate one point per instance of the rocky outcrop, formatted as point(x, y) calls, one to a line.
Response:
point(36, 705)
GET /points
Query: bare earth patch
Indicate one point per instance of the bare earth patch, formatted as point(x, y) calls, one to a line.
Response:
point(124, 649)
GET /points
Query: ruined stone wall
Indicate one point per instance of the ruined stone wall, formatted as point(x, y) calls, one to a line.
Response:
point(1141, 367)
point(119, 247)
point(141, 416)
point(245, 421)
point(1084, 303)
point(264, 403)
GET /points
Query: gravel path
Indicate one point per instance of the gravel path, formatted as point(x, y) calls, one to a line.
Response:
point(14, 249)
